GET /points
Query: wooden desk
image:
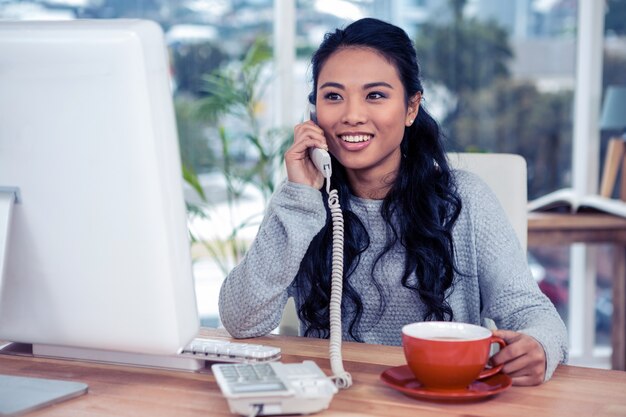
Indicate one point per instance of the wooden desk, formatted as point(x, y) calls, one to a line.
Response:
point(559, 229)
point(126, 391)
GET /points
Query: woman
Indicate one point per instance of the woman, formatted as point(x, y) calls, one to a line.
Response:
point(422, 242)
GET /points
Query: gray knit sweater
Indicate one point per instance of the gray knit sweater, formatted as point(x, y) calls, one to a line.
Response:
point(496, 281)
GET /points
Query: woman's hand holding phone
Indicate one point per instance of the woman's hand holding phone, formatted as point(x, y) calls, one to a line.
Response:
point(300, 168)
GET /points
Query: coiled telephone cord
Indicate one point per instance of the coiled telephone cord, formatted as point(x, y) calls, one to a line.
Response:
point(341, 378)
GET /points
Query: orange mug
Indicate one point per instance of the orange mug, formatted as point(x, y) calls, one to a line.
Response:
point(448, 355)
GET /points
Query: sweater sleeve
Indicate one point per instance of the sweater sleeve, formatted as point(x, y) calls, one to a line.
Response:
point(254, 293)
point(509, 293)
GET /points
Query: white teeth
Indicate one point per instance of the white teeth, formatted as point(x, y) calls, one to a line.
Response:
point(356, 138)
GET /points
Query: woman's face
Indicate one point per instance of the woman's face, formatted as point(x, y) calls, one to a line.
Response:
point(362, 109)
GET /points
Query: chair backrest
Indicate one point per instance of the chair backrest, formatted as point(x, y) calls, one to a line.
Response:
point(505, 174)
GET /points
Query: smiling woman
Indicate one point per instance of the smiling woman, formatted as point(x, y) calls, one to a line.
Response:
point(363, 112)
point(422, 241)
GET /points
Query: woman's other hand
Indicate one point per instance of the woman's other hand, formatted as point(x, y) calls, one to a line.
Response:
point(300, 168)
point(523, 357)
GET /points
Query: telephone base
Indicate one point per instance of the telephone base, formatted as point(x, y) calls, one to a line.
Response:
point(266, 389)
point(288, 406)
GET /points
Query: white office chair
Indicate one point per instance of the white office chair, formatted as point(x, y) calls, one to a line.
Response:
point(504, 173)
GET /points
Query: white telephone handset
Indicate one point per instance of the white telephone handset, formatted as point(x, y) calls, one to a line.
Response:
point(320, 157)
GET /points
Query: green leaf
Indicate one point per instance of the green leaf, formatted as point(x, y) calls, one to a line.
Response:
point(192, 179)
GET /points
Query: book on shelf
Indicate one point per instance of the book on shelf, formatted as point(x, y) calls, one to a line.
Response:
point(566, 200)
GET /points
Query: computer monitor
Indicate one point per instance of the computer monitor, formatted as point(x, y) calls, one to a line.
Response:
point(97, 249)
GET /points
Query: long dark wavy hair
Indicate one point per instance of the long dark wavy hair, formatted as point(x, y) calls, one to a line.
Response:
point(420, 208)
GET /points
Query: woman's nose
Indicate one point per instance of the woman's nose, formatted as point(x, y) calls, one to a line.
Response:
point(354, 113)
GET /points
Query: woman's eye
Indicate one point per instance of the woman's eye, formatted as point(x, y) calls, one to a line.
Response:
point(332, 96)
point(375, 95)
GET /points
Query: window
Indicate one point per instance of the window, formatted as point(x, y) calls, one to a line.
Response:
point(499, 77)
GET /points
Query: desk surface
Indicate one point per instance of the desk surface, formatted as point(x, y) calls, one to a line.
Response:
point(561, 228)
point(127, 391)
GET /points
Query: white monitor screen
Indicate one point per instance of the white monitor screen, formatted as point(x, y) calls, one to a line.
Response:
point(98, 251)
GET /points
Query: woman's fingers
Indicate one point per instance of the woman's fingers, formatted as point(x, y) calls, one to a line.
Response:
point(309, 130)
point(523, 358)
point(300, 168)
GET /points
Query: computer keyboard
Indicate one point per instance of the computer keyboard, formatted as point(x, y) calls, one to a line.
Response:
point(219, 350)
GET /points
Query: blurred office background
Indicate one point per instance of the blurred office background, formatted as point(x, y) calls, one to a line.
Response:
point(499, 75)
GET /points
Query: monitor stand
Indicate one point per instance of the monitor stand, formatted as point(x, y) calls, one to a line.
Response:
point(181, 362)
point(8, 197)
point(20, 394)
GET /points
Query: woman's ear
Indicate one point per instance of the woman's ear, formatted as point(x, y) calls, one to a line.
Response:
point(413, 108)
